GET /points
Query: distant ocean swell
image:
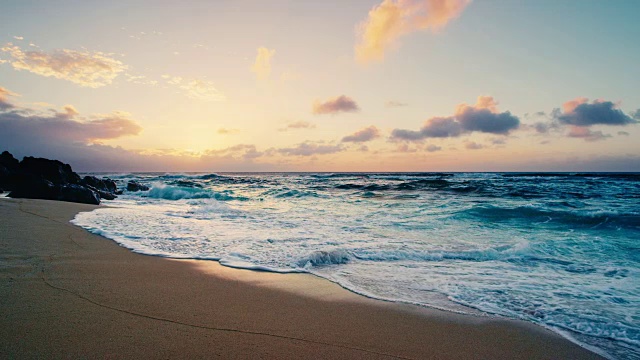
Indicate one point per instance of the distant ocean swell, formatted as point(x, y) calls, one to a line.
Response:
point(559, 250)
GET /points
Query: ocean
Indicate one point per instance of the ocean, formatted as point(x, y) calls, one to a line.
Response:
point(559, 250)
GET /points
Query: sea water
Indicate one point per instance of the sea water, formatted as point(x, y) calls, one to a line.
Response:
point(559, 250)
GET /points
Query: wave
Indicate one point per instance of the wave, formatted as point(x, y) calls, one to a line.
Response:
point(532, 214)
point(185, 183)
point(290, 193)
point(318, 258)
point(628, 176)
point(339, 175)
point(365, 187)
point(519, 250)
point(342, 256)
point(169, 192)
point(210, 176)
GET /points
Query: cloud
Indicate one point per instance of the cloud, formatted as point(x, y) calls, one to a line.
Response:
point(439, 127)
point(404, 148)
point(481, 117)
point(225, 131)
point(64, 127)
point(262, 65)
point(623, 133)
point(433, 148)
point(580, 112)
point(18, 37)
point(579, 115)
point(605, 163)
point(298, 125)
point(471, 145)
point(140, 80)
point(244, 151)
point(393, 19)
point(335, 105)
point(80, 67)
point(4, 101)
point(309, 149)
point(16, 124)
point(544, 127)
point(364, 135)
point(392, 103)
point(195, 88)
point(484, 117)
point(202, 90)
point(586, 133)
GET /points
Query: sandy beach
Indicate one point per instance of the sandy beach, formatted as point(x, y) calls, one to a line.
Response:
point(66, 293)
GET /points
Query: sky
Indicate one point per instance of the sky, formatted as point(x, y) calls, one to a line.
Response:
point(300, 85)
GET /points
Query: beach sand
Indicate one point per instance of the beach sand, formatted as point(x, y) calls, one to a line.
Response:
point(66, 293)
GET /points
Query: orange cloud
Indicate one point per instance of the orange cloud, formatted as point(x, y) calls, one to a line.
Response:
point(202, 90)
point(4, 101)
point(262, 66)
point(571, 105)
point(393, 19)
point(195, 88)
point(81, 67)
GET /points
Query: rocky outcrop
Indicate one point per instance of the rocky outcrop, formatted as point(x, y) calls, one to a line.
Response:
point(30, 187)
point(136, 186)
point(79, 194)
point(9, 166)
point(106, 188)
point(39, 178)
point(55, 171)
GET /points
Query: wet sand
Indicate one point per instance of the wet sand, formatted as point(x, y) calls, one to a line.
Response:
point(66, 293)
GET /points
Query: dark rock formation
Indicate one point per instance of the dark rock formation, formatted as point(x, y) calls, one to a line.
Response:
point(9, 166)
point(30, 187)
point(136, 186)
point(39, 178)
point(79, 194)
point(8, 161)
point(55, 171)
point(106, 188)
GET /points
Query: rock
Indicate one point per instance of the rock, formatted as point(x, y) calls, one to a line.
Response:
point(94, 182)
point(38, 188)
point(78, 194)
point(136, 186)
point(8, 161)
point(29, 187)
point(39, 178)
point(103, 194)
point(54, 171)
point(106, 188)
point(9, 167)
point(1, 191)
point(111, 185)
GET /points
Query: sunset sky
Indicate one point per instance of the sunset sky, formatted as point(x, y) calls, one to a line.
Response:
point(297, 85)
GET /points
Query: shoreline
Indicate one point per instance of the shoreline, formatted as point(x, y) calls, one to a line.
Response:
point(53, 269)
